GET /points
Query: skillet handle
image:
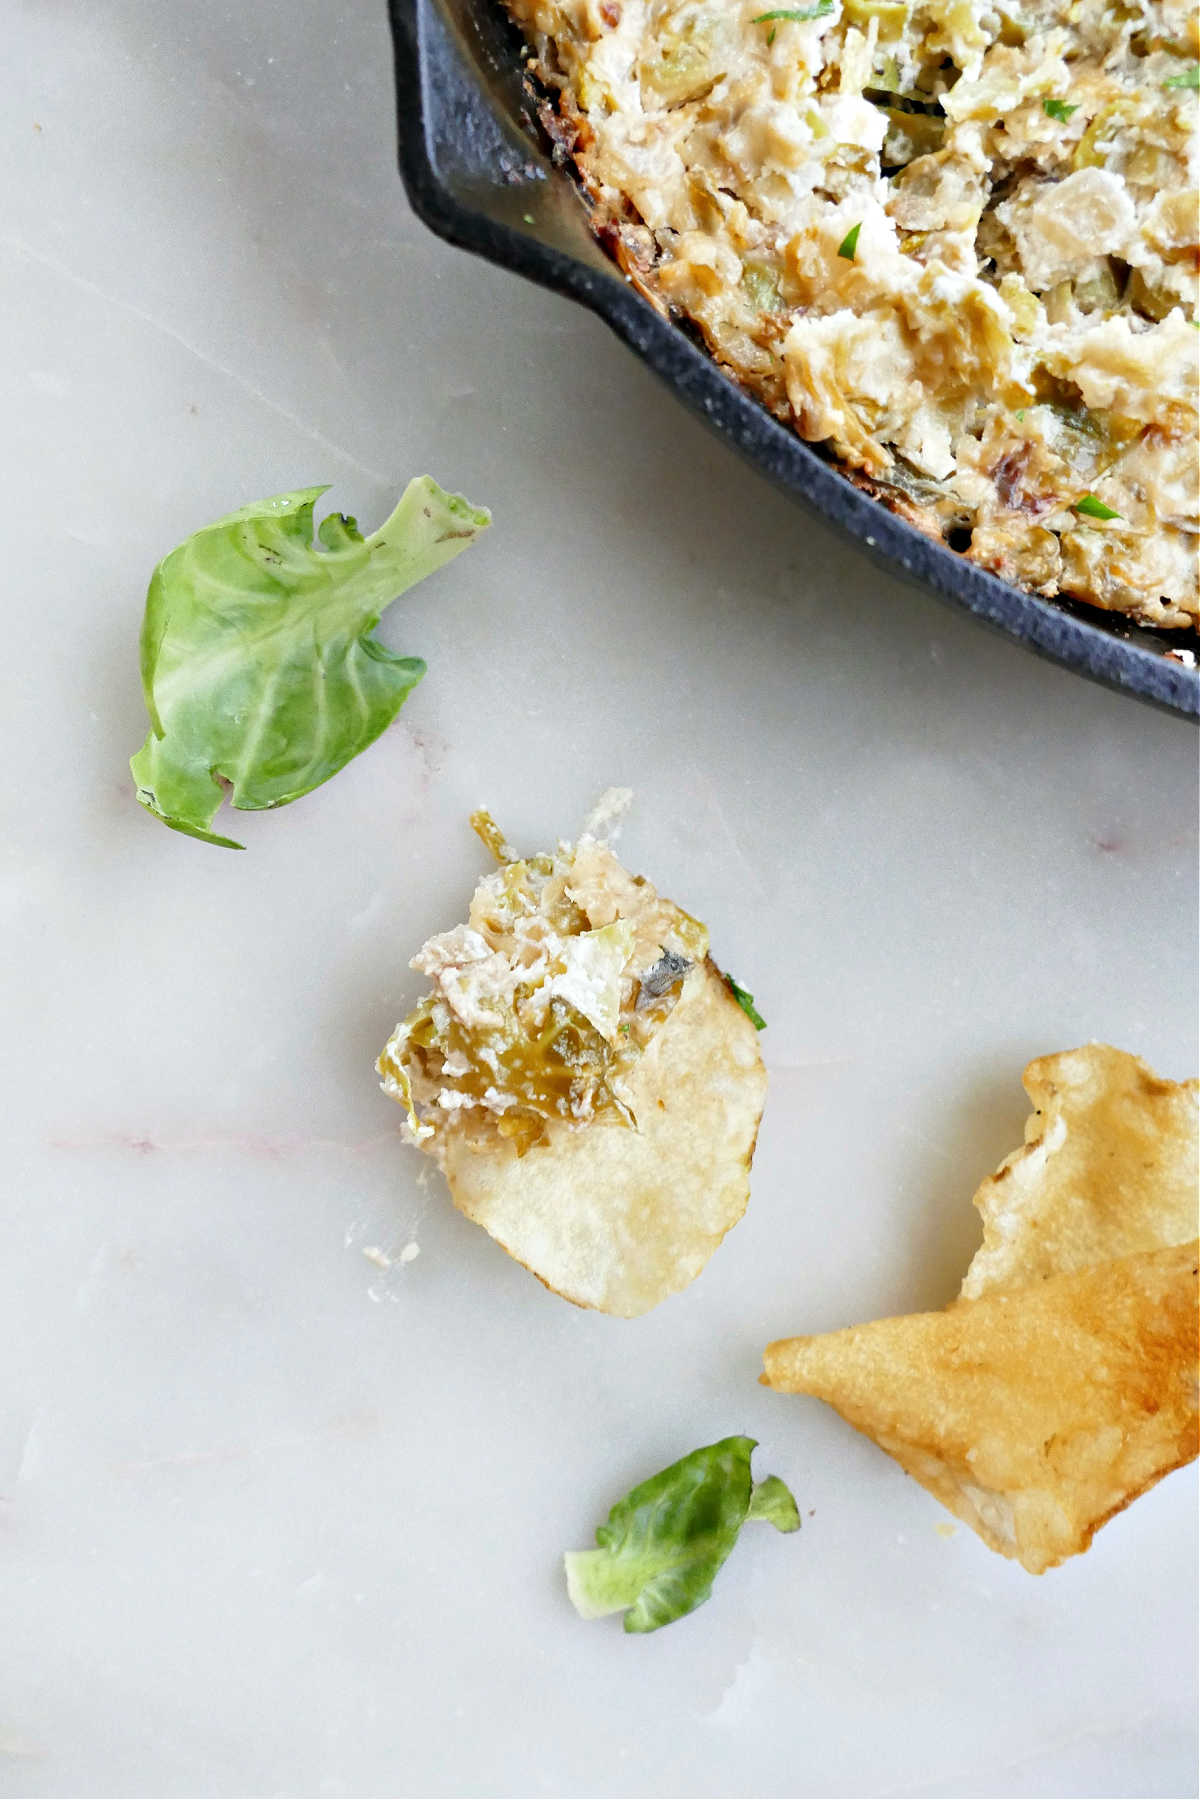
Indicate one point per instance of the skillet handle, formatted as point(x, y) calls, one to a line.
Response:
point(470, 153)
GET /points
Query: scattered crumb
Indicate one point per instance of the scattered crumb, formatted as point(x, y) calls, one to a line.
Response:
point(11, 1742)
point(606, 817)
point(383, 1260)
point(944, 1529)
point(1186, 657)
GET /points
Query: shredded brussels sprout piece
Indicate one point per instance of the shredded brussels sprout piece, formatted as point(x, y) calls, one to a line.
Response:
point(491, 837)
point(664, 1544)
point(798, 15)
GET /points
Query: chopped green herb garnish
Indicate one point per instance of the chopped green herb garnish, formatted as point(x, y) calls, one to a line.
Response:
point(849, 243)
point(1189, 79)
point(1020, 412)
point(799, 15)
point(663, 1545)
point(1058, 109)
point(746, 1001)
point(1093, 508)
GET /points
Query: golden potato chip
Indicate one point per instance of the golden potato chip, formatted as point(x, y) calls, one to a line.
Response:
point(1062, 1382)
point(1034, 1414)
point(618, 1218)
point(1108, 1167)
point(583, 1075)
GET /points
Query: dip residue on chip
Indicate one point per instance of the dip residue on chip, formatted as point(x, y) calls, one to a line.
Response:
point(582, 1074)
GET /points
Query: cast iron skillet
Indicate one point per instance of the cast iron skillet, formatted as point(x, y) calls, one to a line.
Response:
point(480, 173)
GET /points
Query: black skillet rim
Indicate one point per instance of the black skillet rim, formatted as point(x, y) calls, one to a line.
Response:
point(1092, 647)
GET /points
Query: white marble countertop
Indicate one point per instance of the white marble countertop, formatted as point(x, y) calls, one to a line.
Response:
point(274, 1520)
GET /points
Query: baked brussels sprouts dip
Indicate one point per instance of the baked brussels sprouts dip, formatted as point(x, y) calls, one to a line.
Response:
point(585, 1076)
point(953, 242)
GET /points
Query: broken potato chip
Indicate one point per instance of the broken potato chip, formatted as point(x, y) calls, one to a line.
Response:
point(583, 1074)
point(1108, 1167)
point(1062, 1383)
point(1034, 1414)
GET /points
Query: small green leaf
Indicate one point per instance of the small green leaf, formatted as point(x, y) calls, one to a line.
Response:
point(1058, 109)
point(799, 15)
point(1190, 78)
point(259, 671)
point(1092, 508)
point(849, 243)
point(664, 1543)
point(773, 1501)
point(745, 1000)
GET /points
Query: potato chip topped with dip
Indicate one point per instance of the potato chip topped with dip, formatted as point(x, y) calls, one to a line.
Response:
point(585, 1076)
